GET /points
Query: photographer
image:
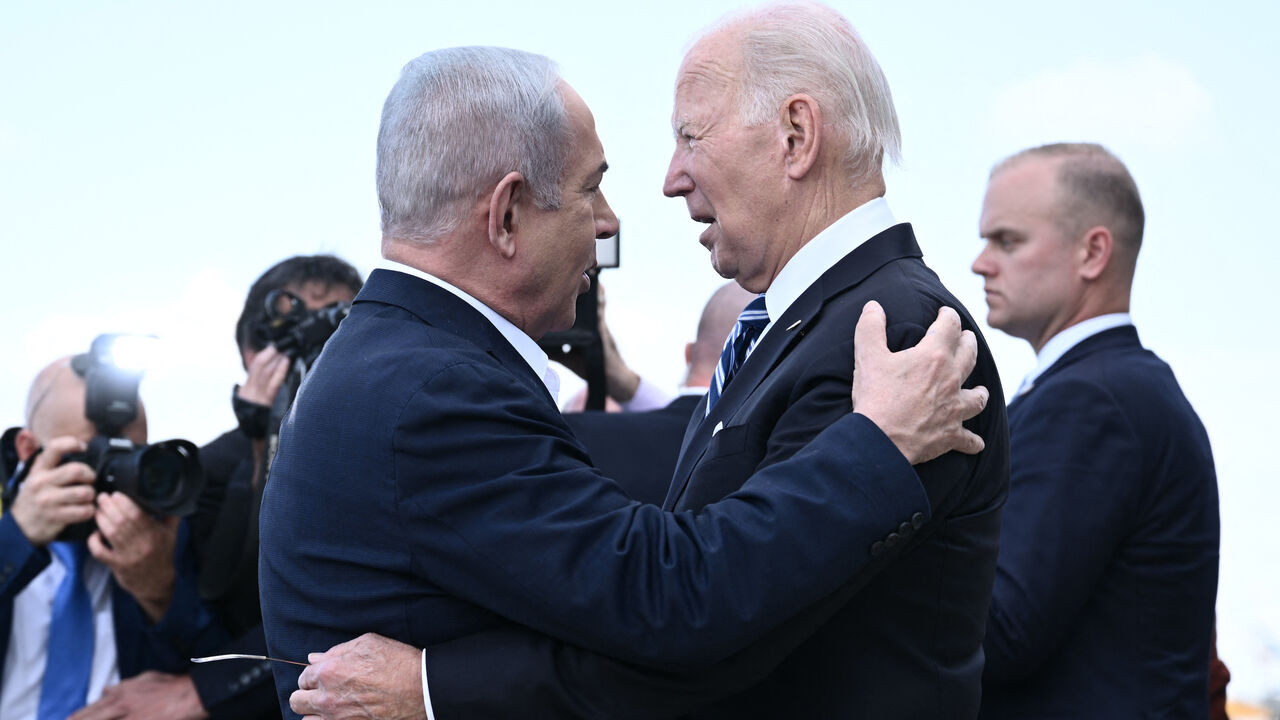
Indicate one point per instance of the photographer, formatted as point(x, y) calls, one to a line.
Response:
point(225, 526)
point(123, 601)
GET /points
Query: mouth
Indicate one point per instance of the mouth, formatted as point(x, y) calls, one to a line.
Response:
point(705, 237)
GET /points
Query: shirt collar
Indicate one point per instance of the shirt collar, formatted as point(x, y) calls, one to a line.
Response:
point(523, 344)
point(1059, 344)
point(825, 250)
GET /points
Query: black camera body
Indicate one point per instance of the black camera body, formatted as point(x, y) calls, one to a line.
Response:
point(163, 479)
point(296, 331)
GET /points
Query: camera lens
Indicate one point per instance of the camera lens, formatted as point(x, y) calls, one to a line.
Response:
point(160, 474)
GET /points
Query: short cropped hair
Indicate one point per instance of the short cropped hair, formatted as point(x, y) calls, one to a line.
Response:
point(296, 271)
point(457, 121)
point(1096, 189)
point(795, 47)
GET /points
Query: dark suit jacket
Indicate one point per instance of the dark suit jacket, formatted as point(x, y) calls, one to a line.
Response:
point(638, 450)
point(224, 531)
point(1108, 567)
point(427, 488)
point(186, 630)
point(902, 640)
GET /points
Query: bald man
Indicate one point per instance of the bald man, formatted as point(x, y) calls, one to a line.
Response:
point(1108, 565)
point(138, 605)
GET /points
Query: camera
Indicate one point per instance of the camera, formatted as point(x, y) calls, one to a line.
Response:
point(296, 331)
point(164, 478)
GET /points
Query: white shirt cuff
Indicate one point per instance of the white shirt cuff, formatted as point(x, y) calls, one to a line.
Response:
point(426, 694)
point(648, 397)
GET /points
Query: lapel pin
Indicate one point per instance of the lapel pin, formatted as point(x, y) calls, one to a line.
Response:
point(794, 325)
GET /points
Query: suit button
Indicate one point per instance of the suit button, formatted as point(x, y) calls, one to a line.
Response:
point(917, 520)
point(876, 548)
point(892, 539)
point(905, 528)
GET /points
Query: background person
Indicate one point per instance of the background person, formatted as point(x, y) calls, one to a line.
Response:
point(78, 616)
point(1108, 567)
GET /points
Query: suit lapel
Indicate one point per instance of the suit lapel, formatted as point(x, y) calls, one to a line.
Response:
point(1111, 339)
point(784, 333)
point(442, 309)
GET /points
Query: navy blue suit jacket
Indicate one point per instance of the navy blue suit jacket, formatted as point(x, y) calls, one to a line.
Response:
point(1108, 567)
point(427, 488)
point(903, 639)
point(186, 630)
point(638, 450)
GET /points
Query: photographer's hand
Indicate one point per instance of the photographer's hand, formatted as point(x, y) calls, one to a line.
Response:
point(267, 372)
point(54, 496)
point(138, 550)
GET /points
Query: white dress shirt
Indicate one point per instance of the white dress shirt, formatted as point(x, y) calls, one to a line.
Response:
point(1059, 344)
point(822, 252)
point(28, 650)
point(524, 345)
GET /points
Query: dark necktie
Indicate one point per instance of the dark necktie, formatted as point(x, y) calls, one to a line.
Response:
point(746, 332)
point(66, 671)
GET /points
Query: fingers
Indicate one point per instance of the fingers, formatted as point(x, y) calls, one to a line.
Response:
point(54, 496)
point(300, 701)
point(267, 372)
point(118, 519)
point(51, 457)
point(973, 401)
point(869, 337)
point(969, 443)
point(945, 331)
point(967, 353)
point(308, 680)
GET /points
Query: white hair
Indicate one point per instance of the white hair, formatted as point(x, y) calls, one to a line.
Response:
point(456, 122)
point(795, 47)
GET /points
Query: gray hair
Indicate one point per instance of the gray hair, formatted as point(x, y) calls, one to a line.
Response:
point(456, 122)
point(795, 47)
point(1095, 189)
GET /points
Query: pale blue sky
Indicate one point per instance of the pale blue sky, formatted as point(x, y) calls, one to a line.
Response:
point(156, 156)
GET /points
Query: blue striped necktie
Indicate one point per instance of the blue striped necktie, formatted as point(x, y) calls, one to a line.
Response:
point(741, 342)
point(66, 671)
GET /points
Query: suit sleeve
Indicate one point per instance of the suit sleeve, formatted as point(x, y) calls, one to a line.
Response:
point(511, 672)
point(574, 558)
point(187, 629)
point(1076, 466)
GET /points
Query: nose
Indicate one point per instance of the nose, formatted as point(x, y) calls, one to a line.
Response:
point(606, 221)
point(677, 183)
point(982, 264)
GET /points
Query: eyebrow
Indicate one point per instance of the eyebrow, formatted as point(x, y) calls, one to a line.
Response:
point(599, 172)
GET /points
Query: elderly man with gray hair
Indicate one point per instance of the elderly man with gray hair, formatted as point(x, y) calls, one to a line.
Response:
point(471, 521)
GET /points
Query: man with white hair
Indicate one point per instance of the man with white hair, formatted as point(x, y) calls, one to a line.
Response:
point(426, 486)
point(782, 120)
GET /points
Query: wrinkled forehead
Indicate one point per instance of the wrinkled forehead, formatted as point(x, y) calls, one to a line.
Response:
point(712, 65)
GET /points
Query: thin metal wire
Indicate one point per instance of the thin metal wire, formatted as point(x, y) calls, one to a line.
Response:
point(217, 658)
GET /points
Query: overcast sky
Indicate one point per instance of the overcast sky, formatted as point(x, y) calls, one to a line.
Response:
point(155, 157)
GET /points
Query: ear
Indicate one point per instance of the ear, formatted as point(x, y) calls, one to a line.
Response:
point(504, 213)
point(26, 444)
point(802, 131)
point(1096, 247)
point(688, 353)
